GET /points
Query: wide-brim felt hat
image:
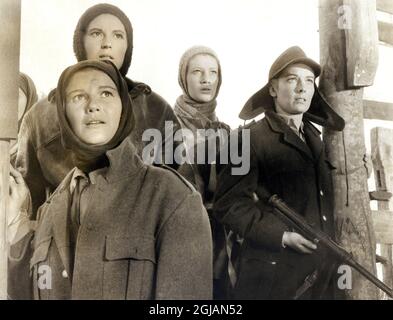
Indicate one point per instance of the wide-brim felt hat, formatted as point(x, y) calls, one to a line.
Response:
point(320, 111)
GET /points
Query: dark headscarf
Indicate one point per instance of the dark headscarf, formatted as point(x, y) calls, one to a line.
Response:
point(28, 88)
point(87, 17)
point(89, 157)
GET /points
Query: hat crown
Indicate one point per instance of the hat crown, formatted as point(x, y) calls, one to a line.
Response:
point(289, 56)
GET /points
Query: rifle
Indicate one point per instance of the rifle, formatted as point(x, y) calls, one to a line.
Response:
point(293, 219)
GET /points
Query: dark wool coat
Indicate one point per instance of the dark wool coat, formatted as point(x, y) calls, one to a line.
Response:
point(280, 163)
point(44, 162)
point(145, 235)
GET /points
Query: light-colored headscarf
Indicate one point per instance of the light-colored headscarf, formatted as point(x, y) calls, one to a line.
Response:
point(28, 88)
point(193, 114)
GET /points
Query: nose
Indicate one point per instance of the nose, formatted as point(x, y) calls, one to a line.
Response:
point(93, 107)
point(206, 78)
point(301, 88)
point(106, 43)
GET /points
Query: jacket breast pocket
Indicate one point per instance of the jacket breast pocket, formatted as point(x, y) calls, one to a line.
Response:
point(41, 251)
point(129, 267)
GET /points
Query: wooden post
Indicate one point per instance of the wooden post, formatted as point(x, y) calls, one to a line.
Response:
point(382, 156)
point(349, 47)
point(9, 71)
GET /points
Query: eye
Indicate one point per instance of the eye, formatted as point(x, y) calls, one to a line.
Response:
point(196, 71)
point(78, 98)
point(291, 79)
point(106, 94)
point(213, 71)
point(119, 36)
point(311, 81)
point(95, 34)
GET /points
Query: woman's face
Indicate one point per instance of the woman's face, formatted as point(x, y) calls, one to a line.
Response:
point(22, 103)
point(93, 106)
point(202, 78)
point(106, 39)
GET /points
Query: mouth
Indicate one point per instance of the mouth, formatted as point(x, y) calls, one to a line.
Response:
point(105, 57)
point(300, 100)
point(93, 123)
point(206, 90)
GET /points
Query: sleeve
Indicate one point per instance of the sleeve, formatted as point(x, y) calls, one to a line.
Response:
point(20, 285)
point(184, 265)
point(28, 165)
point(240, 203)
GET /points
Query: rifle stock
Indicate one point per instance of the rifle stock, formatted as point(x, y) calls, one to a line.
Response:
point(296, 221)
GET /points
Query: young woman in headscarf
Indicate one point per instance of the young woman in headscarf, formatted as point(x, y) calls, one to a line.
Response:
point(27, 97)
point(103, 32)
point(115, 228)
point(200, 80)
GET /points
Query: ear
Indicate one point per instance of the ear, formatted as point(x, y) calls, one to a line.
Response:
point(272, 91)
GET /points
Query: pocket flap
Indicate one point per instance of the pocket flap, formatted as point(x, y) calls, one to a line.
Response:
point(138, 248)
point(40, 252)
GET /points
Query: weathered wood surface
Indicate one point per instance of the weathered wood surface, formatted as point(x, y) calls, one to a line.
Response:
point(383, 226)
point(377, 110)
point(9, 71)
point(382, 157)
point(385, 6)
point(361, 42)
point(385, 32)
point(346, 150)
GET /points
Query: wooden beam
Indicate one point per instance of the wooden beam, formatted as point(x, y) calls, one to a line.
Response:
point(361, 41)
point(381, 146)
point(9, 72)
point(385, 32)
point(385, 6)
point(349, 42)
point(377, 110)
point(383, 226)
point(380, 195)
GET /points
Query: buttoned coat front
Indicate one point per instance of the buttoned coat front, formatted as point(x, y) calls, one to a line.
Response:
point(298, 172)
point(145, 235)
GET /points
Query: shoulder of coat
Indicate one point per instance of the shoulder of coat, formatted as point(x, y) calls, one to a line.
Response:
point(178, 175)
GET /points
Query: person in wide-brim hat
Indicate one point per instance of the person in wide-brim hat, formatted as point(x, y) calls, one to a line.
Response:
point(320, 111)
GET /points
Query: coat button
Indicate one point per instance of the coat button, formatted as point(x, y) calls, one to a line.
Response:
point(321, 193)
point(273, 262)
point(324, 218)
point(64, 274)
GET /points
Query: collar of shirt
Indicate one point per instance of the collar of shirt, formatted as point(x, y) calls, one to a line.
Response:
point(91, 177)
point(295, 122)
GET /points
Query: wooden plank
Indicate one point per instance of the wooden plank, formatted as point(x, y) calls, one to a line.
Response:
point(385, 32)
point(381, 146)
point(361, 42)
point(385, 6)
point(377, 110)
point(383, 226)
point(354, 46)
point(4, 179)
point(10, 15)
point(380, 195)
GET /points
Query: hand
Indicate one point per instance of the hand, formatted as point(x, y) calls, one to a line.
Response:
point(18, 193)
point(298, 242)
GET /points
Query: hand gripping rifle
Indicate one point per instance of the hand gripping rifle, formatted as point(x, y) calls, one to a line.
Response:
point(293, 219)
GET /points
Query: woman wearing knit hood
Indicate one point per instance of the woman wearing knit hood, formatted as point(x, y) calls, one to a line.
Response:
point(200, 79)
point(106, 233)
point(104, 33)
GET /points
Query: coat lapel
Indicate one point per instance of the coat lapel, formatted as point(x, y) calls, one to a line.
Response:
point(313, 140)
point(289, 136)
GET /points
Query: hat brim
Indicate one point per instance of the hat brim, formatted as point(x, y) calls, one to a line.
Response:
point(320, 111)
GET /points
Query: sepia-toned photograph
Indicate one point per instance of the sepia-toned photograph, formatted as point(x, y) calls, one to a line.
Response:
point(213, 150)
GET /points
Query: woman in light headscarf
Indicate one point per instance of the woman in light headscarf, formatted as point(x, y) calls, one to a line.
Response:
point(115, 228)
point(200, 80)
point(27, 98)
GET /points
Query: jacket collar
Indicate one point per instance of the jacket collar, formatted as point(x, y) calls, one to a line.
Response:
point(313, 147)
point(124, 162)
